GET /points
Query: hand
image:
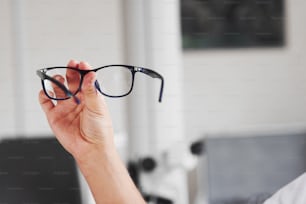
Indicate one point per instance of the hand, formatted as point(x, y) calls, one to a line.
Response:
point(80, 128)
point(85, 130)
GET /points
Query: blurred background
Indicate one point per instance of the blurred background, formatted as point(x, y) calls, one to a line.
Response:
point(234, 97)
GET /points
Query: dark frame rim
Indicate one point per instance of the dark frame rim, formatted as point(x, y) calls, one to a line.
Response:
point(41, 73)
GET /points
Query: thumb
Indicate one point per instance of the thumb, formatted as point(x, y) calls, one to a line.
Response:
point(92, 99)
point(89, 89)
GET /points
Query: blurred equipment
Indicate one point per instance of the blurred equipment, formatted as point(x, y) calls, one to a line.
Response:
point(37, 171)
point(145, 165)
point(154, 167)
point(232, 23)
point(197, 148)
point(250, 168)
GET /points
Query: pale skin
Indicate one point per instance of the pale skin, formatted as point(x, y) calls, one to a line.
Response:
point(85, 131)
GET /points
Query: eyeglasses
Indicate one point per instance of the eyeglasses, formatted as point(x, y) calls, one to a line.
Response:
point(61, 83)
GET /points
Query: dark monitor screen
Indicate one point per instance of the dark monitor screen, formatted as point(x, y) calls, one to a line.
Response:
point(210, 24)
point(241, 169)
point(37, 171)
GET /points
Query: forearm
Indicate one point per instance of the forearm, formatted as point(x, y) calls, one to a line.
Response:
point(108, 178)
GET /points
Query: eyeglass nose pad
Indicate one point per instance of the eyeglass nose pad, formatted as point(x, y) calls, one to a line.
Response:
point(97, 85)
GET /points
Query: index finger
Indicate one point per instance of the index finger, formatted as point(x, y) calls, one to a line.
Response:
point(73, 76)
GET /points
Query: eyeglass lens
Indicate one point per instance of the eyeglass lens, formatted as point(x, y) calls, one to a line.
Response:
point(115, 80)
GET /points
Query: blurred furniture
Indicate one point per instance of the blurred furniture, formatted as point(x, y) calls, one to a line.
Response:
point(247, 169)
point(37, 171)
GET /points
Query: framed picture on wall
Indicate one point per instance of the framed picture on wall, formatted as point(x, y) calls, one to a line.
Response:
point(232, 23)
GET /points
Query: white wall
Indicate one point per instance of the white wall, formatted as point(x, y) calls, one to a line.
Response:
point(49, 34)
point(156, 129)
point(230, 90)
point(6, 72)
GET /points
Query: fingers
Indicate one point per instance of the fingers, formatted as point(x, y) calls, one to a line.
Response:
point(73, 77)
point(73, 64)
point(58, 91)
point(89, 80)
point(46, 103)
point(93, 100)
point(88, 87)
point(70, 79)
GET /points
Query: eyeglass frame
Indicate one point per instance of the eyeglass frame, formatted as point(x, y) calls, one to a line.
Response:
point(134, 69)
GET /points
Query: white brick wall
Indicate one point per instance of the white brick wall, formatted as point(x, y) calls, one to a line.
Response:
point(54, 32)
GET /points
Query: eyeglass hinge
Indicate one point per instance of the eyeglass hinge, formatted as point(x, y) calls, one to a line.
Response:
point(137, 69)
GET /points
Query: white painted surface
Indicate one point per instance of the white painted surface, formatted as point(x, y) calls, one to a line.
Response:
point(153, 38)
point(53, 33)
point(7, 113)
point(248, 88)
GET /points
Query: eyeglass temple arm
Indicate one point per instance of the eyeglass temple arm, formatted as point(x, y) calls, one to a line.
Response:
point(153, 74)
point(44, 76)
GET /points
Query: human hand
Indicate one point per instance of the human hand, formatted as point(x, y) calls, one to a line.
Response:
point(80, 128)
point(85, 130)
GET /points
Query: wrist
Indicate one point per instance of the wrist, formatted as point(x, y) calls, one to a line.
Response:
point(103, 168)
point(101, 154)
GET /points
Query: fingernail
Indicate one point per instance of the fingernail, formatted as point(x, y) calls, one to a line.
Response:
point(86, 64)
